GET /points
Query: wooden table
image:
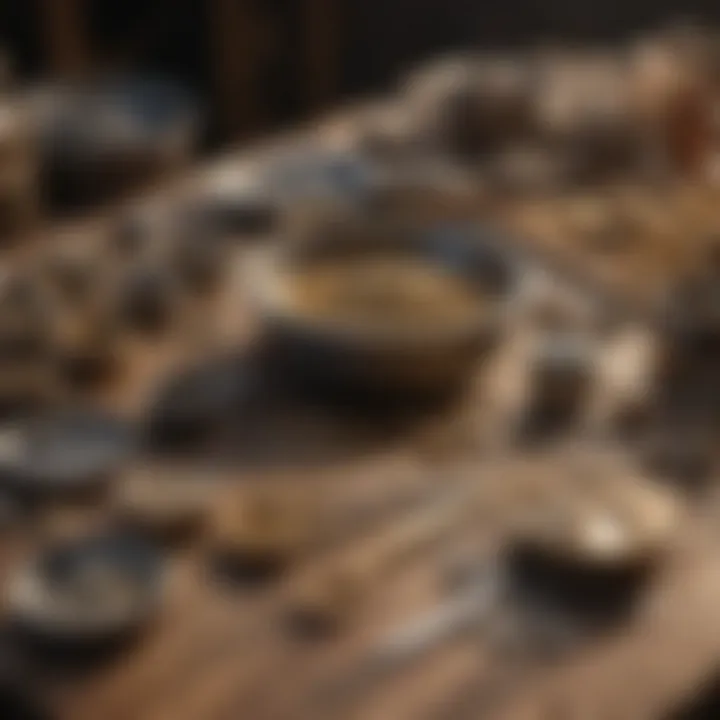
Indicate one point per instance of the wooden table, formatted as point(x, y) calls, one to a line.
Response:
point(218, 651)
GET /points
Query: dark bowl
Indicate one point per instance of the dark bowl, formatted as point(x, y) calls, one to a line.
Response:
point(429, 356)
point(63, 452)
point(33, 592)
point(101, 139)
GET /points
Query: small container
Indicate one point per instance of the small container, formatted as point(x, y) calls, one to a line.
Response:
point(588, 555)
point(562, 371)
point(63, 452)
point(102, 139)
point(87, 591)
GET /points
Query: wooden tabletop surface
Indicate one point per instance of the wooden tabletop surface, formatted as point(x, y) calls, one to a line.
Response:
point(221, 651)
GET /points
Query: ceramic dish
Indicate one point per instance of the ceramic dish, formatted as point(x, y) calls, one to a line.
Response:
point(63, 451)
point(384, 309)
point(89, 589)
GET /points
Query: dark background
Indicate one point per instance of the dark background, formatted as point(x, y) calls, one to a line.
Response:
point(367, 43)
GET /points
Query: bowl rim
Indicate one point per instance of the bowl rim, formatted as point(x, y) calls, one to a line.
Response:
point(25, 476)
point(271, 268)
point(145, 600)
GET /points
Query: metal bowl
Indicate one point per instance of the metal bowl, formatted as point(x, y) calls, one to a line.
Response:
point(91, 589)
point(436, 352)
point(64, 451)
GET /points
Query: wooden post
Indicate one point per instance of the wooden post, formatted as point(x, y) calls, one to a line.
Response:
point(321, 61)
point(65, 38)
point(234, 39)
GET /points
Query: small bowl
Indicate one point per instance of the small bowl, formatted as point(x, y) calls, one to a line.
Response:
point(625, 524)
point(423, 348)
point(104, 138)
point(71, 592)
point(64, 452)
point(592, 561)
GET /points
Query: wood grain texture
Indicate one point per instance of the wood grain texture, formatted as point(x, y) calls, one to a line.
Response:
point(218, 652)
